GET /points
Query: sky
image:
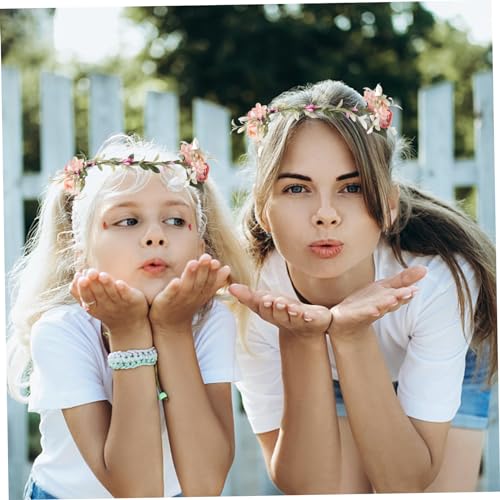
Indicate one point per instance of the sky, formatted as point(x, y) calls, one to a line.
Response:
point(72, 40)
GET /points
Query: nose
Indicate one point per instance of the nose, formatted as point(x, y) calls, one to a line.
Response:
point(326, 216)
point(153, 236)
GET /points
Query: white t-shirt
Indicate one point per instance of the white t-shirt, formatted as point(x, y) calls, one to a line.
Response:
point(423, 343)
point(70, 369)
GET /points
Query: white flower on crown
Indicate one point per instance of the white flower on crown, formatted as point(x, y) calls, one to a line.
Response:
point(178, 178)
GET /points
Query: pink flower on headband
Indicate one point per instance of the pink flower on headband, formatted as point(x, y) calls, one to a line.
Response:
point(379, 105)
point(74, 166)
point(258, 112)
point(72, 172)
point(194, 158)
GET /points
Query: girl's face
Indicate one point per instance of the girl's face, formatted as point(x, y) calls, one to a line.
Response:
point(145, 237)
point(316, 214)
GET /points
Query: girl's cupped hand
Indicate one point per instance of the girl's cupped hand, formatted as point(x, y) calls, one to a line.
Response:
point(114, 302)
point(174, 307)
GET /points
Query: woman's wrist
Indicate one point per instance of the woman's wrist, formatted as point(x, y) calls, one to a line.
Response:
point(290, 339)
point(352, 338)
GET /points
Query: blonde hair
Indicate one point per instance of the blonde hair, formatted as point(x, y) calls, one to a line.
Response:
point(425, 225)
point(61, 241)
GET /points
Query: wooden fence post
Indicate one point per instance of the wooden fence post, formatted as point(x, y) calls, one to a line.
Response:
point(484, 141)
point(57, 124)
point(485, 172)
point(161, 119)
point(211, 126)
point(14, 227)
point(105, 110)
point(435, 139)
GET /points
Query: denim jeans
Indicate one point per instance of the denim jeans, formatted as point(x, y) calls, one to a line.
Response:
point(475, 402)
point(32, 491)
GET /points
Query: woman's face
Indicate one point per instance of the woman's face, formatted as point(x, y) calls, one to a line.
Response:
point(145, 237)
point(316, 214)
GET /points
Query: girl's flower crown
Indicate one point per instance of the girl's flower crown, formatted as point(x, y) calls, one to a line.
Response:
point(190, 169)
point(377, 114)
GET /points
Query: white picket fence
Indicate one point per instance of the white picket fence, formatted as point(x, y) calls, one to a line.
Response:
point(435, 169)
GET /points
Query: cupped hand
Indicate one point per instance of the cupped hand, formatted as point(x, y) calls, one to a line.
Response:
point(363, 307)
point(174, 307)
point(289, 315)
point(114, 302)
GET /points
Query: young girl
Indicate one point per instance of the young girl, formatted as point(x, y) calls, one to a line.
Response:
point(133, 382)
point(367, 281)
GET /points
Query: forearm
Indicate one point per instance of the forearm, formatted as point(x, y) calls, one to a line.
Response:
point(395, 457)
point(306, 458)
point(202, 449)
point(133, 448)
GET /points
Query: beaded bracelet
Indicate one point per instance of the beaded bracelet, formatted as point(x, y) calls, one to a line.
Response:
point(123, 360)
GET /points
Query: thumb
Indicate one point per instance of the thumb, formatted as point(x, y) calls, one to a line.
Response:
point(241, 292)
point(407, 277)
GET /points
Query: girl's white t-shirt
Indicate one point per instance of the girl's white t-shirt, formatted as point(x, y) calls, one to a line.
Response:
point(423, 343)
point(70, 369)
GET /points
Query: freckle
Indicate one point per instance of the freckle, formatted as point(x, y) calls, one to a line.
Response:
point(190, 227)
point(105, 225)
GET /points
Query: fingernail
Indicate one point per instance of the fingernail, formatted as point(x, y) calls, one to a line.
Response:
point(293, 313)
point(307, 319)
point(280, 306)
point(267, 304)
point(406, 297)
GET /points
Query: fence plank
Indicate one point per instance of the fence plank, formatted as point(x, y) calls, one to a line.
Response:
point(13, 227)
point(211, 126)
point(485, 161)
point(435, 139)
point(105, 110)
point(57, 123)
point(161, 119)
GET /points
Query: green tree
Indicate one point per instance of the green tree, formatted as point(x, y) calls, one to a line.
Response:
point(237, 55)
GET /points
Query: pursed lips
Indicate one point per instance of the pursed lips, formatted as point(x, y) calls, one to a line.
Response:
point(154, 266)
point(326, 248)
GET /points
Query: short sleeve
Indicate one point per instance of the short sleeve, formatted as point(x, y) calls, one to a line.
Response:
point(215, 346)
point(261, 387)
point(66, 366)
point(430, 378)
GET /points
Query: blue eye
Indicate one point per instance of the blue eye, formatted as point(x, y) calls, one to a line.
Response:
point(353, 188)
point(176, 221)
point(295, 189)
point(129, 221)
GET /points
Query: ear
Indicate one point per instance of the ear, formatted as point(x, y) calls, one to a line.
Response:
point(394, 202)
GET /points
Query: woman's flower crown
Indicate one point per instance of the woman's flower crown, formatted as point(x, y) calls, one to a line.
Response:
point(377, 114)
point(191, 168)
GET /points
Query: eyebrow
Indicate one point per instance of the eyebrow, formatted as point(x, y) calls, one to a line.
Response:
point(301, 177)
point(133, 204)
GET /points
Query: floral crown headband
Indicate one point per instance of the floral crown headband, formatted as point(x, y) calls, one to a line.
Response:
point(377, 114)
point(190, 169)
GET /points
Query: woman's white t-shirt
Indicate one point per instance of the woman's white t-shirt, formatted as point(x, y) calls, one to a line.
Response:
point(423, 343)
point(70, 369)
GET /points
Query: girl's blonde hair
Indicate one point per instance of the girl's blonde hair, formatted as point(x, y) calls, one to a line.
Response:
point(61, 241)
point(425, 225)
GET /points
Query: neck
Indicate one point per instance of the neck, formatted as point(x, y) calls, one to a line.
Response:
point(329, 292)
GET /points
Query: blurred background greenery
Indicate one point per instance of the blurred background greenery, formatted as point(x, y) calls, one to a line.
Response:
point(236, 55)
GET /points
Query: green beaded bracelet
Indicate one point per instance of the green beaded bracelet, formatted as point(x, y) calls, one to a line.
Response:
point(123, 360)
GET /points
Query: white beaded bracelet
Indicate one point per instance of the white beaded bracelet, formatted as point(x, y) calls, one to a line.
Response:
point(123, 360)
